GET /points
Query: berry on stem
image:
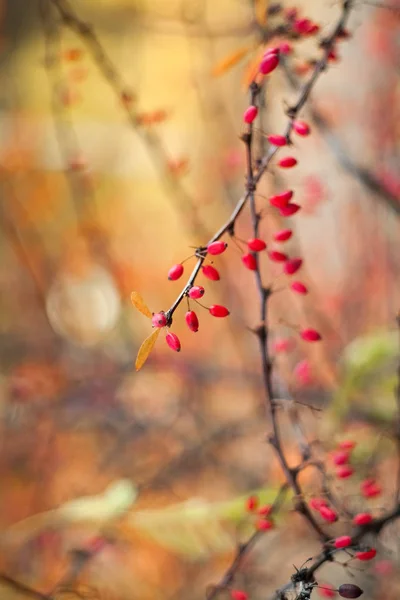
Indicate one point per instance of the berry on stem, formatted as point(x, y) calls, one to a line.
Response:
point(349, 590)
point(287, 162)
point(216, 310)
point(343, 541)
point(292, 265)
point(299, 287)
point(341, 458)
point(173, 341)
point(196, 292)
point(276, 256)
point(310, 335)
point(239, 595)
point(344, 472)
point(366, 554)
point(269, 62)
point(264, 525)
point(281, 200)
point(317, 503)
point(283, 235)
point(251, 503)
point(192, 321)
point(277, 140)
point(370, 489)
point(217, 247)
point(175, 272)
point(301, 128)
point(159, 319)
point(290, 209)
point(210, 272)
point(256, 245)
point(249, 261)
point(347, 444)
point(328, 514)
point(362, 519)
point(250, 114)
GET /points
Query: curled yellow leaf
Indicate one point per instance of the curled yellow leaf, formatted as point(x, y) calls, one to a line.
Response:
point(140, 304)
point(146, 348)
point(229, 61)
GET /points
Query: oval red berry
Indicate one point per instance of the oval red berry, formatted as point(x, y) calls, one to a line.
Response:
point(217, 247)
point(299, 287)
point(159, 319)
point(310, 335)
point(343, 541)
point(192, 321)
point(249, 261)
point(210, 272)
point(250, 114)
point(281, 200)
point(173, 341)
point(301, 128)
point(292, 265)
point(276, 256)
point(175, 272)
point(256, 245)
point(283, 235)
point(216, 310)
point(287, 162)
point(290, 209)
point(269, 63)
point(277, 140)
point(196, 292)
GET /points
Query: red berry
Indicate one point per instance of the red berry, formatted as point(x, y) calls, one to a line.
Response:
point(249, 261)
point(347, 444)
point(210, 272)
point(326, 590)
point(287, 162)
point(159, 319)
point(383, 567)
point(301, 128)
point(281, 200)
point(341, 458)
point(285, 48)
point(317, 503)
point(362, 519)
point(282, 345)
point(192, 321)
point(238, 595)
point(175, 272)
point(292, 265)
point(349, 590)
point(250, 114)
point(328, 514)
point(343, 541)
point(217, 247)
point(173, 341)
point(256, 245)
point(265, 510)
point(264, 525)
point(290, 209)
point(277, 256)
point(299, 287)
point(251, 503)
point(366, 554)
point(303, 372)
point(344, 472)
point(305, 27)
point(269, 63)
point(283, 235)
point(370, 489)
point(310, 335)
point(196, 292)
point(277, 140)
point(216, 310)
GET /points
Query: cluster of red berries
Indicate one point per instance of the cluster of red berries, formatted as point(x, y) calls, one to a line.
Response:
point(341, 459)
point(263, 513)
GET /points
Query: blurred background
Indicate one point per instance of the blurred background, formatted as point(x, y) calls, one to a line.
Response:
point(120, 151)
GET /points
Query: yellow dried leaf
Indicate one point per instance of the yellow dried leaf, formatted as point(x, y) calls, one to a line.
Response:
point(229, 61)
point(140, 304)
point(146, 348)
point(261, 11)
